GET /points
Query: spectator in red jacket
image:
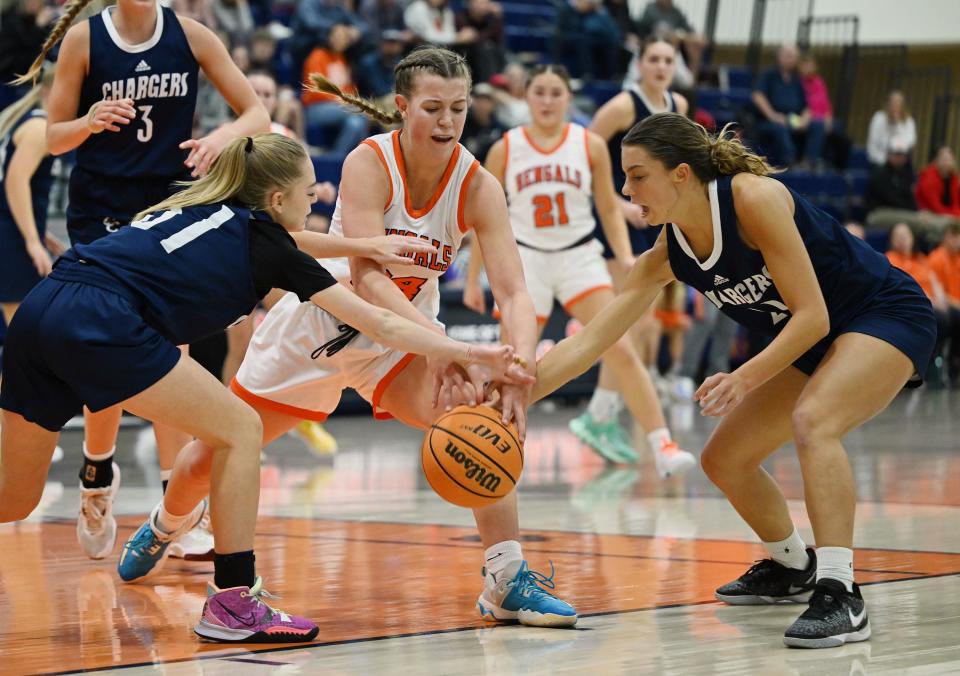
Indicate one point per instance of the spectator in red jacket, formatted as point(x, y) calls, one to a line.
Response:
point(938, 189)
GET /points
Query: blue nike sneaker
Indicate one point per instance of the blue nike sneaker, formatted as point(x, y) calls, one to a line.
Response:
point(146, 550)
point(520, 595)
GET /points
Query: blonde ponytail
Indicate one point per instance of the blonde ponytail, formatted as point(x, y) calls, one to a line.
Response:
point(26, 103)
point(321, 85)
point(247, 171)
point(71, 10)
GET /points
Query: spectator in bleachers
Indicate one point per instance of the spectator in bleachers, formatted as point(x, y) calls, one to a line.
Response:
point(892, 123)
point(263, 49)
point(662, 19)
point(383, 15)
point(315, 19)
point(786, 119)
point(289, 112)
point(938, 189)
point(375, 70)
point(587, 39)
point(198, 10)
point(837, 145)
point(323, 113)
point(903, 255)
point(481, 130)
point(945, 263)
point(433, 21)
point(23, 29)
point(486, 53)
point(235, 19)
point(890, 197)
point(510, 86)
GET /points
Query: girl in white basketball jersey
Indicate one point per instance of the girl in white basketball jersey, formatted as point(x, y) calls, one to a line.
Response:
point(552, 171)
point(420, 182)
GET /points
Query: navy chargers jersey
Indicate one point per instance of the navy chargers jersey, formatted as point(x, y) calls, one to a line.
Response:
point(190, 268)
point(160, 75)
point(40, 182)
point(736, 280)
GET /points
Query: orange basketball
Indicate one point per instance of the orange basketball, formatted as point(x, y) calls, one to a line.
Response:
point(470, 458)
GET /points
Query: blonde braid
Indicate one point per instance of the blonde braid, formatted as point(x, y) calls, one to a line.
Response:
point(72, 9)
point(321, 85)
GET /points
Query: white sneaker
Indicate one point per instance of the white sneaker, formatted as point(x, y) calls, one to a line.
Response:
point(96, 525)
point(671, 461)
point(197, 543)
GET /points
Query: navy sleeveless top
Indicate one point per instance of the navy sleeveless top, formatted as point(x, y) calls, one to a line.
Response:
point(40, 182)
point(189, 268)
point(641, 111)
point(160, 75)
point(736, 280)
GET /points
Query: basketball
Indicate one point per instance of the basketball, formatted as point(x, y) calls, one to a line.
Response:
point(470, 458)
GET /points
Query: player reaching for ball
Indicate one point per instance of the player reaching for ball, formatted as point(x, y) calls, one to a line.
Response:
point(418, 182)
point(133, 296)
point(849, 331)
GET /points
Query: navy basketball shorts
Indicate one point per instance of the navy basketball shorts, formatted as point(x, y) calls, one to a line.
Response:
point(101, 204)
point(71, 344)
point(899, 314)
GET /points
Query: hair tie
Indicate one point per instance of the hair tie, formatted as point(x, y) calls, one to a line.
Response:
point(249, 146)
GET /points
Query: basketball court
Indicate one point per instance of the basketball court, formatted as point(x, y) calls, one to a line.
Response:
point(358, 542)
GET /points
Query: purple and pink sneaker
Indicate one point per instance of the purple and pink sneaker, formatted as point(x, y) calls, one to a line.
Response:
point(239, 615)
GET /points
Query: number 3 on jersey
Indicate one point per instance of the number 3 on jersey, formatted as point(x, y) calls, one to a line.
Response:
point(145, 134)
point(543, 214)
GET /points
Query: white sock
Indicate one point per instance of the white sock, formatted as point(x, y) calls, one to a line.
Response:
point(604, 405)
point(165, 474)
point(837, 564)
point(167, 522)
point(97, 458)
point(658, 437)
point(501, 555)
point(791, 551)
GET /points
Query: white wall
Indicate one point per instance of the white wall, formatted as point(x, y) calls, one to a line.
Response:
point(881, 21)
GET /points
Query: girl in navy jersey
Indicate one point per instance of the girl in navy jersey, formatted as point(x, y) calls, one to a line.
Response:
point(25, 181)
point(124, 98)
point(195, 263)
point(657, 59)
point(849, 331)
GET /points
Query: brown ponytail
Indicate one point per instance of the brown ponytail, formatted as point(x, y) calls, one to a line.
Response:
point(319, 84)
point(71, 10)
point(673, 139)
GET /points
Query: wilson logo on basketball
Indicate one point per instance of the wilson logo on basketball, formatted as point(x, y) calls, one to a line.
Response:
point(473, 470)
point(490, 436)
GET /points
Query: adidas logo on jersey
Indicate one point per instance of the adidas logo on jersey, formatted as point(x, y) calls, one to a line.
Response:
point(718, 280)
point(143, 66)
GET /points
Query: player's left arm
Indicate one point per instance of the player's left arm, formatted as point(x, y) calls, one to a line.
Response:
point(765, 211)
point(252, 117)
point(608, 208)
point(486, 212)
point(385, 249)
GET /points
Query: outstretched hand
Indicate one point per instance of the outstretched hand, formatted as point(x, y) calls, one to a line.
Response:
point(397, 249)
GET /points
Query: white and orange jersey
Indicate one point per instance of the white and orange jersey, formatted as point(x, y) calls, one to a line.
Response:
point(549, 190)
point(440, 221)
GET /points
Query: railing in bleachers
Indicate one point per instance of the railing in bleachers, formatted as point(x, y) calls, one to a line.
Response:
point(922, 87)
point(946, 123)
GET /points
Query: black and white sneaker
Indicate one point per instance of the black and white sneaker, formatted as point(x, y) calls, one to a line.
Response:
point(835, 617)
point(769, 582)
